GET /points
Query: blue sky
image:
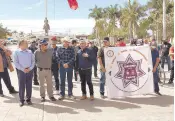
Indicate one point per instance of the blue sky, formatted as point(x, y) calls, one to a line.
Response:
point(35, 9)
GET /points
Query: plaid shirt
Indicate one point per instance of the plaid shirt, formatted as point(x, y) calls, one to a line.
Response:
point(66, 56)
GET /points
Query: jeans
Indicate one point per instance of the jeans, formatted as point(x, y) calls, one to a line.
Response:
point(167, 58)
point(102, 83)
point(172, 72)
point(5, 76)
point(86, 77)
point(156, 79)
point(94, 64)
point(55, 72)
point(63, 73)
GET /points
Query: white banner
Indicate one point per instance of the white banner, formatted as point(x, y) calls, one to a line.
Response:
point(128, 71)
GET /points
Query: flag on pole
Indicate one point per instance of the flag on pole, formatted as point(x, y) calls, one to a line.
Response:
point(73, 4)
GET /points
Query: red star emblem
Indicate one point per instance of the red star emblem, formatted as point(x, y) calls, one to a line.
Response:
point(130, 71)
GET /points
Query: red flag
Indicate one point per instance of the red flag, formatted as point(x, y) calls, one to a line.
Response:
point(73, 4)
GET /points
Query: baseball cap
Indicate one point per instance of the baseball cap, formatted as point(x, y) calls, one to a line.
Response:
point(106, 39)
point(43, 42)
point(54, 38)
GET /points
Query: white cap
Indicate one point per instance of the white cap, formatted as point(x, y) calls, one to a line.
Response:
point(65, 39)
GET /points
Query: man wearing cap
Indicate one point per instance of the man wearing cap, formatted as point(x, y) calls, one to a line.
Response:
point(101, 58)
point(43, 58)
point(94, 61)
point(84, 60)
point(120, 43)
point(66, 59)
point(155, 61)
point(55, 68)
point(24, 62)
point(33, 48)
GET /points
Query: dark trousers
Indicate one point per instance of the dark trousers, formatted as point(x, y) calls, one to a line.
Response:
point(63, 73)
point(167, 58)
point(55, 72)
point(172, 72)
point(75, 74)
point(35, 79)
point(156, 80)
point(85, 76)
point(5, 76)
point(94, 64)
point(25, 83)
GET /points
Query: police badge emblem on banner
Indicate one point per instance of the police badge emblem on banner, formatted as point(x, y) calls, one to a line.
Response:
point(128, 71)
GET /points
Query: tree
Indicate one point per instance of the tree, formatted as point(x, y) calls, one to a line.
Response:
point(4, 32)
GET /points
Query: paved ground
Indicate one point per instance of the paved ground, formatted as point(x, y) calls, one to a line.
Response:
point(136, 108)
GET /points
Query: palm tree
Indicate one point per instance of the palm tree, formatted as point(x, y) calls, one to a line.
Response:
point(97, 14)
point(112, 13)
point(131, 15)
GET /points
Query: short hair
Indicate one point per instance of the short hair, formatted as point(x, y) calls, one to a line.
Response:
point(74, 41)
point(21, 42)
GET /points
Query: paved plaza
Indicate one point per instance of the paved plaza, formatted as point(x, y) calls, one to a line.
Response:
point(136, 108)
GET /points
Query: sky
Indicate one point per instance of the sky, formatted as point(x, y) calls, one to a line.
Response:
point(27, 15)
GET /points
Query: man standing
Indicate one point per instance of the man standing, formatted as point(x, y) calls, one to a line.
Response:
point(171, 54)
point(24, 62)
point(94, 61)
point(155, 61)
point(120, 43)
point(66, 58)
point(43, 58)
point(5, 64)
point(55, 68)
point(84, 66)
point(75, 47)
point(33, 48)
point(165, 54)
point(101, 59)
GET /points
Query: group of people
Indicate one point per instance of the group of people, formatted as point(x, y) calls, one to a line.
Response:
point(40, 63)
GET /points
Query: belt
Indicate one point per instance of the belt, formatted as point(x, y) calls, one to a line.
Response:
point(43, 68)
point(85, 68)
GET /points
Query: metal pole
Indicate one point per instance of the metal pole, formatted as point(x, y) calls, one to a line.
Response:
point(46, 7)
point(164, 20)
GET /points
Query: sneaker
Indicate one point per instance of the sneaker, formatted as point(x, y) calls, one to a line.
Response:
point(1, 95)
point(72, 97)
point(13, 92)
point(52, 98)
point(29, 102)
point(21, 104)
point(158, 93)
point(102, 96)
point(61, 98)
point(43, 99)
point(91, 97)
point(83, 97)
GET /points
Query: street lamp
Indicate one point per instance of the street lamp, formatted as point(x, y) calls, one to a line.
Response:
point(164, 20)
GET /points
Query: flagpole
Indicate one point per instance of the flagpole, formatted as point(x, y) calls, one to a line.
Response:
point(46, 8)
point(164, 20)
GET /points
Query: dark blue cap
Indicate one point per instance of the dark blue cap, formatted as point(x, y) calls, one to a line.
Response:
point(43, 42)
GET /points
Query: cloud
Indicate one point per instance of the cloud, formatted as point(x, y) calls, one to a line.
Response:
point(39, 3)
point(76, 26)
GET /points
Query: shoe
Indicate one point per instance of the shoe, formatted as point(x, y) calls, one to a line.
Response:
point(83, 97)
point(71, 97)
point(170, 82)
point(29, 102)
point(1, 95)
point(13, 92)
point(36, 83)
point(102, 96)
point(61, 98)
point(91, 97)
point(52, 99)
point(21, 104)
point(158, 93)
point(43, 99)
point(57, 92)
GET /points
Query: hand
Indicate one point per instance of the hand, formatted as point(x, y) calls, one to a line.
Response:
point(65, 65)
point(85, 55)
point(58, 65)
point(27, 70)
point(154, 70)
point(103, 69)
